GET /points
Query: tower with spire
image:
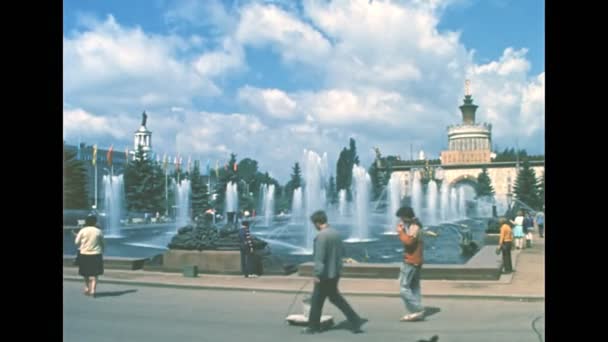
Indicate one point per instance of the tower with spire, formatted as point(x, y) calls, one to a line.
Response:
point(143, 138)
point(468, 142)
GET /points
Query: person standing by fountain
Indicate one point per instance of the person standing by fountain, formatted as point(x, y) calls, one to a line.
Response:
point(327, 255)
point(90, 259)
point(518, 230)
point(410, 234)
point(505, 244)
point(540, 222)
point(247, 255)
point(528, 228)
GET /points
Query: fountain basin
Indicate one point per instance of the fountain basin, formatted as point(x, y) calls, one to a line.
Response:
point(485, 265)
point(116, 263)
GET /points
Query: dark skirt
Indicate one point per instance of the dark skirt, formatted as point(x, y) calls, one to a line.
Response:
point(90, 265)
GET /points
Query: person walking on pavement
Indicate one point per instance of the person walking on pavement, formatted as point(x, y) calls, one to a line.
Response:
point(410, 234)
point(327, 255)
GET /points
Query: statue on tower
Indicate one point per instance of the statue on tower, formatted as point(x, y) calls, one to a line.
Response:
point(144, 117)
point(378, 153)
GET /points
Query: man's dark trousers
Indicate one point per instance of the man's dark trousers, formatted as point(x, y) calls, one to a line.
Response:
point(328, 288)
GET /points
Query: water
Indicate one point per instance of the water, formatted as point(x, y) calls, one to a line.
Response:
point(342, 205)
point(395, 194)
point(361, 189)
point(453, 203)
point(445, 201)
point(461, 203)
point(268, 204)
point(114, 194)
point(285, 241)
point(183, 203)
point(296, 206)
point(432, 213)
point(232, 199)
point(314, 170)
point(417, 194)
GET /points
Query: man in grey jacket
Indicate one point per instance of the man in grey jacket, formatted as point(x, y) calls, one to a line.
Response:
point(327, 255)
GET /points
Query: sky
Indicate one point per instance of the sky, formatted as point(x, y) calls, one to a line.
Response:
point(266, 79)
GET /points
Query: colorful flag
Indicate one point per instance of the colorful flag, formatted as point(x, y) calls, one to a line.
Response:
point(94, 160)
point(235, 167)
point(109, 155)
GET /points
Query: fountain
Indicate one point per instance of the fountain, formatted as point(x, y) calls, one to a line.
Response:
point(394, 197)
point(445, 201)
point(417, 194)
point(361, 188)
point(296, 205)
point(182, 202)
point(342, 204)
point(453, 204)
point(232, 201)
point(268, 204)
point(431, 202)
point(113, 200)
point(462, 212)
point(314, 199)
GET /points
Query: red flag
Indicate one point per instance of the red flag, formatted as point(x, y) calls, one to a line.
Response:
point(109, 155)
point(235, 167)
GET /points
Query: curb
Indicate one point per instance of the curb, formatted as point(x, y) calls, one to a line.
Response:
point(520, 298)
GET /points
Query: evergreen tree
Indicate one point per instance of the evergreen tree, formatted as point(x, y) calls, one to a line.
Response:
point(144, 184)
point(484, 184)
point(227, 174)
point(74, 181)
point(294, 182)
point(541, 190)
point(377, 181)
point(344, 168)
point(526, 187)
point(200, 196)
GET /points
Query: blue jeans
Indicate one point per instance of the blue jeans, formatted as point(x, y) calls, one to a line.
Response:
point(409, 281)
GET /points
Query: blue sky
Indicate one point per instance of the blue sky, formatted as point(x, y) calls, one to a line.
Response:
point(268, 79)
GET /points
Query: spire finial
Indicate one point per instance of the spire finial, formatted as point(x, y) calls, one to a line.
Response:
point(467, 87)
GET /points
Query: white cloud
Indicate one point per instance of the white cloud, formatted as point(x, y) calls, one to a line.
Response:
point(533, 106)
point(269, 25)
point(508, 97)
point(131, 67)
point(77, 119)
point(272, 102)
point(386, 75)
point(229, 58)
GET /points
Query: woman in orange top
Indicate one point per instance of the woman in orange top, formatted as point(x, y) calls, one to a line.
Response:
point(505, 244)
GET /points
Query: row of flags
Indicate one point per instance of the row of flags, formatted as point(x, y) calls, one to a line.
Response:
point(177, 161)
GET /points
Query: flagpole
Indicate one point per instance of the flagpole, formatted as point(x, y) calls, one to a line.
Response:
point(95, 186)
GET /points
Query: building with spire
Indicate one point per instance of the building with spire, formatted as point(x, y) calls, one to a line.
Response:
point(468, 142)
point(143, 138)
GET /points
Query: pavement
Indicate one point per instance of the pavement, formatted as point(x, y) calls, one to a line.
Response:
point(156, 314)
point(527, 283)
